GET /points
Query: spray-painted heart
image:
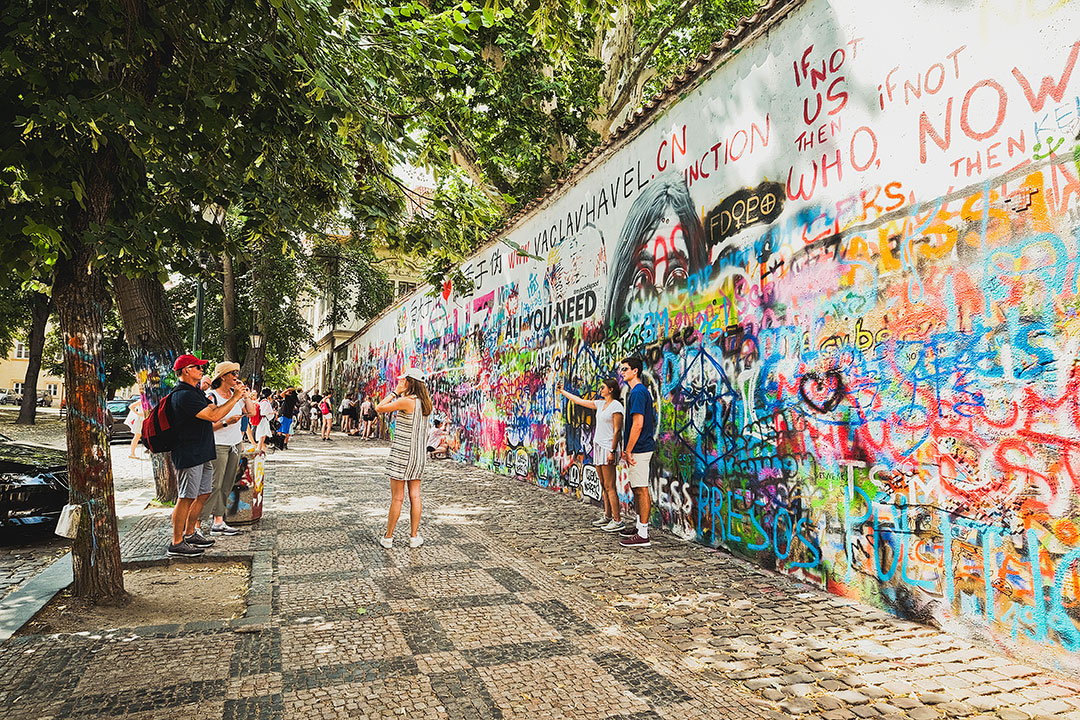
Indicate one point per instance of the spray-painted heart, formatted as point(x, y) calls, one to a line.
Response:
point(822, 392)
point(446, 288)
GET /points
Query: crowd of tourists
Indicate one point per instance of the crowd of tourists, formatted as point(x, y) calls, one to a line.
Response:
point(214, 414)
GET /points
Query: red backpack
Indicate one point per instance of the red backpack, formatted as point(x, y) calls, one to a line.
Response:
point(159, 427)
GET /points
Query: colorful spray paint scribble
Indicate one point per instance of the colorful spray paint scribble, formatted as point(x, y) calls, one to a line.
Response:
point(850, 259)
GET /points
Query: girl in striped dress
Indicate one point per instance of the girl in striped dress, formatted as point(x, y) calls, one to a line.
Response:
point(408, 451)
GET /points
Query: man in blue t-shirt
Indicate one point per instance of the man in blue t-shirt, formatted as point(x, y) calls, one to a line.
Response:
point(638, 449)
point(194, 453)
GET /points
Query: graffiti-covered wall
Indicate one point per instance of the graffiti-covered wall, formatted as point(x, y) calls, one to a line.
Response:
point(849, 259)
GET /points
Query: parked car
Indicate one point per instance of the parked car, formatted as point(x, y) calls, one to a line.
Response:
point(3, 396)
point(33, 484)
point(12, 398)
point(44, 399)
point(116, 411)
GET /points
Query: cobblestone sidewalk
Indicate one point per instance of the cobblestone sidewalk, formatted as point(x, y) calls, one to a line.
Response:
point(514, 608)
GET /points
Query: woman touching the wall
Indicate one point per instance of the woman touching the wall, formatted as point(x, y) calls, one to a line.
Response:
point(408, 451)
point(609, 419)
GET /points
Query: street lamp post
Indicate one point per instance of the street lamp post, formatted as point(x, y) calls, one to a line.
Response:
point(257, 339)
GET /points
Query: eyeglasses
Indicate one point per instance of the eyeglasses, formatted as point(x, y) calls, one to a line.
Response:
point(624, 369)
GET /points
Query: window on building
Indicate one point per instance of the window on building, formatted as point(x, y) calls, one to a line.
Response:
point(54, 389)
point(404, 288)
point(21, 351)
point(17, 388)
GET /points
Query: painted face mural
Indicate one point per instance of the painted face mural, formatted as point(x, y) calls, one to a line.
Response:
point(852, 273)
point(661, 244)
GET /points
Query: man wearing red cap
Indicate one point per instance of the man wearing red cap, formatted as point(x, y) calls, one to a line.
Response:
point(194, 453)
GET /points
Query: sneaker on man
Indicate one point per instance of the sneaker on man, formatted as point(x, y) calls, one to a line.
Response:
point(223, 529)
point(601, 521)
point(415, 542)
point(196, 539)
point(386, 542)
point(183, 549)
point(635, 540)
point(629, 530)
point(613, 526)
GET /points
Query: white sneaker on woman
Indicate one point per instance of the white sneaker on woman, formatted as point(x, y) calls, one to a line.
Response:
point(416, 541)
point(386, 542)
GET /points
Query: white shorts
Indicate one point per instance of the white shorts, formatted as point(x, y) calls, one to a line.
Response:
point(638, 473)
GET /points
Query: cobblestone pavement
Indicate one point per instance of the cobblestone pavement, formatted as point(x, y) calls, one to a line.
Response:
point(24, 553)
point(514, 608)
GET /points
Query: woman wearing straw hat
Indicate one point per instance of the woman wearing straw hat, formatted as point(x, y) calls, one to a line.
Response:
point(408, 450)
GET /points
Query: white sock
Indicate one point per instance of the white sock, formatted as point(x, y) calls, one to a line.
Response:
point(643, 530)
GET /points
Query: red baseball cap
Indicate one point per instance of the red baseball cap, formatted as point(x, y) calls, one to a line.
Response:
point(186, 360)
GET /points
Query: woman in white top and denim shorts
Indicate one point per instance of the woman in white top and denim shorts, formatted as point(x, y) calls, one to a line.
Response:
point(609, 419)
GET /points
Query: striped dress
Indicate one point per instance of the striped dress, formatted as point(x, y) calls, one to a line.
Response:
point(408, 451)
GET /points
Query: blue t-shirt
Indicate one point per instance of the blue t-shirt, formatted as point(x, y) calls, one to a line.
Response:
point(640, 403)
point(194, 436)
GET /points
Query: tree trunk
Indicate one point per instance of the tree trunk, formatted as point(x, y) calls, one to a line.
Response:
point(228, 305)
point(154, 339)
point(79, 294)
point(40, 309)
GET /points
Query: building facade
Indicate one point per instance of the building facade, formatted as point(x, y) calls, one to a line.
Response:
point(13, 375)
point(315, 366)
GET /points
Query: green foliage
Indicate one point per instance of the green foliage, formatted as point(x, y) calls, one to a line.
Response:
point(115, 351)
point(344, 270)
point(704, 24)
point(14, 314)
point(522, 113)
point(289, 109)
point(526, 107)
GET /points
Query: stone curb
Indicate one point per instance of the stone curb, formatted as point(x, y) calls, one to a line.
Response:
point(19, 607)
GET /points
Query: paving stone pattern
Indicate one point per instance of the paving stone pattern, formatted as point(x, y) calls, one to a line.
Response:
point(515, 607)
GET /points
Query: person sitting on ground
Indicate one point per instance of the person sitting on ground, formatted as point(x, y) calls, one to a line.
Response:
point(438, 442)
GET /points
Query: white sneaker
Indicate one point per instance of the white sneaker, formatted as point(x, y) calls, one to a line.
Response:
point(386, 542)
point(601, 522)
point(416, 541)
point(613, 526)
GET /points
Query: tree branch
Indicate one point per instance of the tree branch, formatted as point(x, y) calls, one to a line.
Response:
point(643, 58)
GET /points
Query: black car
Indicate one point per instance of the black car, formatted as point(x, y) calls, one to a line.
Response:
point(33, 484)
point(116, 412)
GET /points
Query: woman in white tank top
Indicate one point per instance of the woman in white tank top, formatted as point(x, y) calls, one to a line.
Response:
point(609, 419)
